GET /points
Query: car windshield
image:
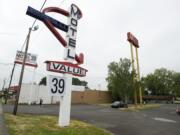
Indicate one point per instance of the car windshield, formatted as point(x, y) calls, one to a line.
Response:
point(116, 102)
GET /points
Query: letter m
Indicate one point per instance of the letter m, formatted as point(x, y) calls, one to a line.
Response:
point(75, 13)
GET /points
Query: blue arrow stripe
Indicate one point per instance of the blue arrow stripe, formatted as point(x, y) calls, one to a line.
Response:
point(41, 16)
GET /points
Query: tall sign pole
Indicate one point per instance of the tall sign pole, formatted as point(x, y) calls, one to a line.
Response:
point(139, 79)
point(133, 75)
point(69, 56)
point(61, 86)
point(136, 76)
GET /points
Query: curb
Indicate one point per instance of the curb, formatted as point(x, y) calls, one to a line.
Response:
point(3, 128)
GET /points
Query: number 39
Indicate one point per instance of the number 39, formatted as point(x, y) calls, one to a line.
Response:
point(58, 85)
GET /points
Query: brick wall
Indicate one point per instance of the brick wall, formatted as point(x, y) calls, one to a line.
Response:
point(91, 97)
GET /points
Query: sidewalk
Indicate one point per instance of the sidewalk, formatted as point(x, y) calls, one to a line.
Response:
point(3, 129)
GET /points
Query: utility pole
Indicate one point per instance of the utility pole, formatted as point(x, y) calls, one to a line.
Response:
point(22, 72)
point(10, 82)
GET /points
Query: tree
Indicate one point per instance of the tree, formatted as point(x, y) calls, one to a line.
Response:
point(176, 84)
point(43, 81)
point(120, 79)
point(75, 81)
point(160, 82)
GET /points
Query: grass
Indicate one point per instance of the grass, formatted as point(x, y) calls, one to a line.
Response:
point(47, 125)
point(141, 107)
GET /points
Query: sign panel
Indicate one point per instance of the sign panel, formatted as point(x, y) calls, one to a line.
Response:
point(56, 85)
point(31, 59)
point(132, 39)
point(65, 67)
point(72, 32)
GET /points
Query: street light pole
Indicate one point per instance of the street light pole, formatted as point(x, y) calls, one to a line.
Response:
point(22, 72)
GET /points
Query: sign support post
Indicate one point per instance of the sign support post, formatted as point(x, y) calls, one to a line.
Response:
point(65, 103)
point(69, 56)
point(133, 75)
point(136, 77)
point(139, 79)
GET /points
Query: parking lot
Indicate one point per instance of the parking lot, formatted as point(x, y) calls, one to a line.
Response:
point(163, 120)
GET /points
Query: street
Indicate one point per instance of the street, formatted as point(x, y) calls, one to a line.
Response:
point(163, 120)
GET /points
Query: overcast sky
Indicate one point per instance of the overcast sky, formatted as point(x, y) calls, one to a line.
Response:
point(101, 35)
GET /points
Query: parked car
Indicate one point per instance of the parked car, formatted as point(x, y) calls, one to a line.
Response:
point(119, 104)
point(178, 111)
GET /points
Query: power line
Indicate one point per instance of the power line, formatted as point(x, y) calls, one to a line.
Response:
point(40, 10)
point(8, 34)
point(33, 24)
point(6, 64)
point(52, 16)
point(62, 2)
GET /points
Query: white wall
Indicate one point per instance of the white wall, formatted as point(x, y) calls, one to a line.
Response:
point(33, 93)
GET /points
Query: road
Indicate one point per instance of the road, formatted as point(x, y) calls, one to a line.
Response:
point(3, 129)
point(159, 121)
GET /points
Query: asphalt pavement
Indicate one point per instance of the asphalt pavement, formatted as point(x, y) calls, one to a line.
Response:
point(3, 129)
point(159, 121)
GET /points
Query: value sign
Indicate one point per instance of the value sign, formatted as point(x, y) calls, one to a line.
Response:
point(56, 85)
point(65, 67)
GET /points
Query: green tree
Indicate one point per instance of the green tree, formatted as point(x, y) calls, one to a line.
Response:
point(120, 79)
point(176, 85)
point(43, 81)
point(160, 82)
point(75, 81)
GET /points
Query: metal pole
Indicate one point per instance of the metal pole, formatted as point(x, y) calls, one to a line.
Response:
point(138, 73)
point(133, 70)
point(21, 75)
point(12, 73)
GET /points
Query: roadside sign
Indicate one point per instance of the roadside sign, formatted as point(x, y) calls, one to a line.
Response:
point(61, 86)
point(56, 85)
point(31, 59)
point(132, 39)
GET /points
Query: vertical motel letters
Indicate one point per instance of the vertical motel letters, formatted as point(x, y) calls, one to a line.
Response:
point(72, 32)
